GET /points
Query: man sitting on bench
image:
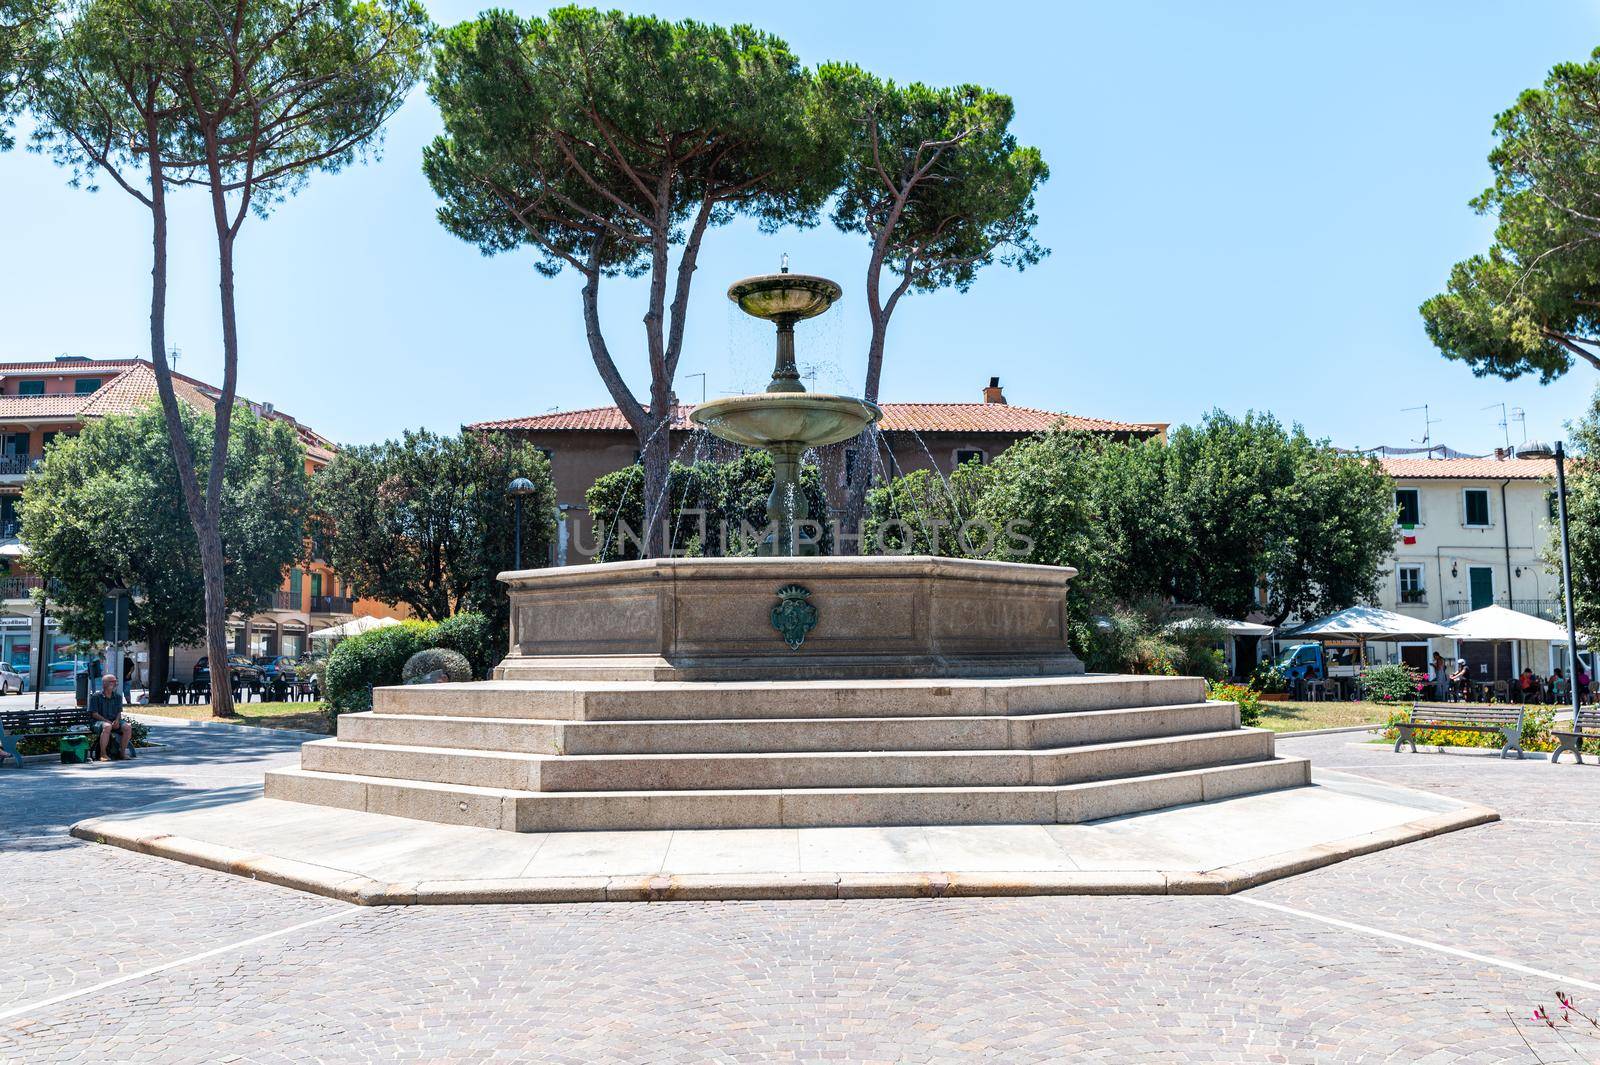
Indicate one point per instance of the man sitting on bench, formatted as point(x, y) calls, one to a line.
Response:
point(105, 711)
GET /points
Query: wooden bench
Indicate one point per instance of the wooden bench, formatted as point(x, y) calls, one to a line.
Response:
point(1436, 717)
point(1585, 726)
point(46, 723)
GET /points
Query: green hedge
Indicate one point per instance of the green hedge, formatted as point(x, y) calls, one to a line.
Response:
point(378, 658)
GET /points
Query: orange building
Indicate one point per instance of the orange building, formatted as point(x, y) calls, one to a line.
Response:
point(40, 400)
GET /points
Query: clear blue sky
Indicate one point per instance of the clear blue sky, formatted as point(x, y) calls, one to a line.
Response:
point(1249, 201)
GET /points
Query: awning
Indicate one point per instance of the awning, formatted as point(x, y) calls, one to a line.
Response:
point(13, 549)
point(1232, 628)
point(1370, 623)
point(353, 627)
point(1498, 624)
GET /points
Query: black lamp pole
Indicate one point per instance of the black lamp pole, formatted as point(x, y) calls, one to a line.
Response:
point(519, 487)
point(1566, 578)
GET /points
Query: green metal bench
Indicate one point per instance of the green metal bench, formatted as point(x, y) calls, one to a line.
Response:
point(33, 724)
point(1585, 726)
point(1437, 717)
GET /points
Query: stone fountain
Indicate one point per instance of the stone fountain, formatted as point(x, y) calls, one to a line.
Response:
point(786, 420)
point(787, 689)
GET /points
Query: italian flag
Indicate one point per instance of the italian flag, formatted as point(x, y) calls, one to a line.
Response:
point(1408, 534)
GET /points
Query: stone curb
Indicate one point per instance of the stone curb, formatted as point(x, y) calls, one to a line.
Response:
point(1326, 731)
point(729, 887)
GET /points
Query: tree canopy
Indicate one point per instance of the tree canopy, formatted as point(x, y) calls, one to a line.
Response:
point(1236, 515)
point(1531, 303)
point(1583, 520)
point(23, 34)
point(425, 521)
point(603, 140)
point(105, 510)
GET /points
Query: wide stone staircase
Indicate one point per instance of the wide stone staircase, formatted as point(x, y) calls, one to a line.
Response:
point(537, 756)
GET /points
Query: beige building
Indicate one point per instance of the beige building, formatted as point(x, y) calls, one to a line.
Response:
point(584, 445)
point(1472, 533)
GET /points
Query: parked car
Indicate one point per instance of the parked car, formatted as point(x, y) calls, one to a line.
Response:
point(274, 666)
point(11, 680)
point(243, 671)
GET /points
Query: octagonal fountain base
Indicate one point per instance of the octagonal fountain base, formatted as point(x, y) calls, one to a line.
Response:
point(895, 617)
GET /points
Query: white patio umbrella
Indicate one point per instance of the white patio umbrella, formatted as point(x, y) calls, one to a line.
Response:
point(1365, 623)
point(1232, 628)
point(1497, 624)
point(353, 627)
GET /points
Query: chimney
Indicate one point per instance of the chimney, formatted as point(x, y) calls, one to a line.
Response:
point(1500, 453)
point(992, 394)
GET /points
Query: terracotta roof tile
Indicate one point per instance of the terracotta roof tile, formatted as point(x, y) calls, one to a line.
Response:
point(53, 366)
point(54, 406)
point(136, 388)
point(1469, 469)
point(897, 417)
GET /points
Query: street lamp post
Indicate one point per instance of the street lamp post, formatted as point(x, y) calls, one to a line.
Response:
point(519, 487)
point(1566, 579)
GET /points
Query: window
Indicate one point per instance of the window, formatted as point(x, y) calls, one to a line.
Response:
point(316, 585)
point(1409, 505)
point(1476, 503)
point(15, 445)
point(30, 388)
point(294, 586)
point(8, 515)
point(44, 440)
point(1411, 590)
point(84, 385)
point(965, 455)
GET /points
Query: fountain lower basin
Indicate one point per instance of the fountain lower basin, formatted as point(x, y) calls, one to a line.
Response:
point(803, 419)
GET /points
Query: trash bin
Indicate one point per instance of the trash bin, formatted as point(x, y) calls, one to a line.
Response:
point(81, 687)
point(75, 749)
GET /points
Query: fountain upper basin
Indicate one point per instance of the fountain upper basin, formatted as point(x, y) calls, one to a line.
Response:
point(769, 418)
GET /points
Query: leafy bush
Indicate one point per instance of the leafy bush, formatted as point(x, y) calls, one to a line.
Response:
point(1269, 679)
point(474, 637)
point(1137, 640)
point(369, 660)
point(1397, 683)
point(454, 665)
point(1248, 699)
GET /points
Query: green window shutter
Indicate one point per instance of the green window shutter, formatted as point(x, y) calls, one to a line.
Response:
point(316, 584)
point(294, 585)
point(84, 385)
point(30, 388)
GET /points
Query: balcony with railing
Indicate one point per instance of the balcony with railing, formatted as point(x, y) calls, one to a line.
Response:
point(19, 587)
point(15, 467)
point(331, 604)
point(282, 600)
point(1548, 609)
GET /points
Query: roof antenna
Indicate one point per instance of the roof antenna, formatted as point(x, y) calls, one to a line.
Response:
point(784, 269)
point(173, 355)
point(1427, 424)
point(1504, 422)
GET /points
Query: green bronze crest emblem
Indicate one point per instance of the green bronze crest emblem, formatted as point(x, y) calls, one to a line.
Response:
point(794, 616)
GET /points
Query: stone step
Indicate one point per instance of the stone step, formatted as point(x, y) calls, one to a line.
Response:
point(729, 700)
point(795, 735)
point(523, 811)
point(837, 769)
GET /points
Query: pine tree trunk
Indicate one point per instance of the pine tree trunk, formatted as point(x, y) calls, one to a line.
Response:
point(159, 647)
point(210, 530)
point(867, 444)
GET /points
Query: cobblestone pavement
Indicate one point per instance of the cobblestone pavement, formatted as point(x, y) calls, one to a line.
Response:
point(1419, 954)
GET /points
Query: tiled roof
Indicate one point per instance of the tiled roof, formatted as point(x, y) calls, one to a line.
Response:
point(136, 388)
point(132, 385)
point(897, 417)
point(1469, 469)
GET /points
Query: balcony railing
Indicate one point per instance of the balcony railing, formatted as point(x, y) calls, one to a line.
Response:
point(14, 465)
point(330, 604)
point(19, 587)
point(283, 600)
point(1548, 609)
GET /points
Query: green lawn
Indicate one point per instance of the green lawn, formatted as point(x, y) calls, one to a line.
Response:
point(307, 717)
point(1301, 717)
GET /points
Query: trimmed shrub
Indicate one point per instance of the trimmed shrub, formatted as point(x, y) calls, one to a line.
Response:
point(370, 660)
point(1396, 683)
point(473, 636)
point(454, 664)
point(1248, 698)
